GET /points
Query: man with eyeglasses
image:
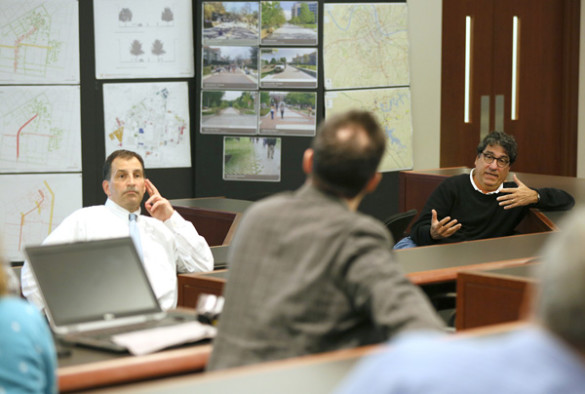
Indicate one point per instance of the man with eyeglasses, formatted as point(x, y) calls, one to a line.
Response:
point(482, 204)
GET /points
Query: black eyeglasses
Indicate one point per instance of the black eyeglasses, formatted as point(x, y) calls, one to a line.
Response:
point(501, 162)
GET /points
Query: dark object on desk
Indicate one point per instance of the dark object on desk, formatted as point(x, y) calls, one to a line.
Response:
point(88, 295)
point(398, 223)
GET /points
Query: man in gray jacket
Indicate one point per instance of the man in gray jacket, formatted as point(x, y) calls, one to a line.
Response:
point(308, 273)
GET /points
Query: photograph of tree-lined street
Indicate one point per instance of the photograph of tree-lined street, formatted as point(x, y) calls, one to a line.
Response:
point(289, 22)
point(251, 158)
point(229, 112)
point(225, 22)
point(230, 67)
point(287, 113)
point(288, 67)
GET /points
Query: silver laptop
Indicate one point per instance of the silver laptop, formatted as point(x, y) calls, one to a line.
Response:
point(93, 290)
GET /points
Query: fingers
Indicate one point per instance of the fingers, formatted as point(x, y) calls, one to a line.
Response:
point(150, 188)
point(443, 228)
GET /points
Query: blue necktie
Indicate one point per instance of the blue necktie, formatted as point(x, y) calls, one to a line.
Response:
point(135, 234)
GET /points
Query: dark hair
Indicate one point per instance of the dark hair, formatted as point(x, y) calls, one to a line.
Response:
point(343, 165)
point(123, 154)
point(506, 141)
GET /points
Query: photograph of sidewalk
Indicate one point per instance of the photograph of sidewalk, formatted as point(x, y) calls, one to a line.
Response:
point(251, 159)
point(236, 22)
point(287, 113)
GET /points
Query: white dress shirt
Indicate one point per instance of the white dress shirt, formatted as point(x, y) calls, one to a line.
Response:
point(168, 247)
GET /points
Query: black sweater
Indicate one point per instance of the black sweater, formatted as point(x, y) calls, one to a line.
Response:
point(479, 214)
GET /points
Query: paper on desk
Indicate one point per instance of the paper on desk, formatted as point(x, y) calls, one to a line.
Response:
point(154, 339)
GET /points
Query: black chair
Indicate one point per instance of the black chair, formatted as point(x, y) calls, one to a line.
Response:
point(399, 222)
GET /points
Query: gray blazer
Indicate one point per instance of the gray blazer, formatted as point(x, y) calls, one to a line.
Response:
point(308, 275)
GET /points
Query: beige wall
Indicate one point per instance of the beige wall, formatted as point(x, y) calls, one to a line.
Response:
point(424, 29)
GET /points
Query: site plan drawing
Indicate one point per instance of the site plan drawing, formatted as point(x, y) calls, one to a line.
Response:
point(39, 42)
point(392, 108)
point(31, 206)
point(151, 119)
point(365, 45)
point(40, 129)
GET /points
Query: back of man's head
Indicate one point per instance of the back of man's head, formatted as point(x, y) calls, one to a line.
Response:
point(347, 151)
point(506, 141)
point(122, 154)
point(560, 305)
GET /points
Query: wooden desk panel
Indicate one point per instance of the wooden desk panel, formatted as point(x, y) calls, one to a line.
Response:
point(216, 219)
point(493, 296)
point(97, 369)
point(194, 284)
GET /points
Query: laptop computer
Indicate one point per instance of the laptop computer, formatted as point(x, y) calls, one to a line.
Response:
point(96, 289)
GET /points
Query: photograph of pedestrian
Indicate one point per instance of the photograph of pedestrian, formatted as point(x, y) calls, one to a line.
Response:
point(251, 159)
point(295, 113)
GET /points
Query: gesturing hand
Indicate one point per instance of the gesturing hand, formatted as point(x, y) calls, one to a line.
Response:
point(443, 228)
point(157, 206)
point(519, 196)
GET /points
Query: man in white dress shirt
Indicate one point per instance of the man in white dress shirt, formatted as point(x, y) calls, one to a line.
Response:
point(168, 243)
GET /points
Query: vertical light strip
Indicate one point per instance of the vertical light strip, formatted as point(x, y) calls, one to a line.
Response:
point(515, 49)
point(466, 109)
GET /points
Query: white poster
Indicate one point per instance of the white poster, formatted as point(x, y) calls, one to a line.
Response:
point(31, 206)
point(151, 119)
point(40, 129)
point(143, 39)
point(39, 42)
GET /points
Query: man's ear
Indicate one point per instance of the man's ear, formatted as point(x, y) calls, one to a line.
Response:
point(373, 182)
point(106, 187)
point(308, 161)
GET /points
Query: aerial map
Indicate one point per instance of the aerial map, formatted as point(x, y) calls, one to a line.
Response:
point(365, 45)
point(392, 107)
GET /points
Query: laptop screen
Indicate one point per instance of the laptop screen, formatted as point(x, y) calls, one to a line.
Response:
point(92, 281)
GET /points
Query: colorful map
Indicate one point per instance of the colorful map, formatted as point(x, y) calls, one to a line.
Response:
point(39, 42)
point(31, 206)
point(365, 45)
point(40, 129)
point(151, 119)
point(392, 107)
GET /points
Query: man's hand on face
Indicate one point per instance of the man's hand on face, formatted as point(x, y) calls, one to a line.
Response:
point(443, 228)
point(157, 206)
point(519, 196)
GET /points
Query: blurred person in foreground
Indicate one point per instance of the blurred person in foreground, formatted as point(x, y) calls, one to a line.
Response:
point(310, 274)
point(27, 354)
point(545, 356)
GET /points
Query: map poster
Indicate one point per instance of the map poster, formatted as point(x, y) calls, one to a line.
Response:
point(40, 129)
point(143, 39)
point(151, 119)
point(365, 45)
point(39, 42)
point(31, 206)
point(392, 108)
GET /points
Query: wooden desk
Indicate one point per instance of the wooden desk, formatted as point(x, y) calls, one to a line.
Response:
point(440, 263)
point(494, 296)
point(216, 219)
point(194, 284)
point(320, 373)
point(87, 368)
point(434, 268)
